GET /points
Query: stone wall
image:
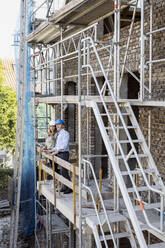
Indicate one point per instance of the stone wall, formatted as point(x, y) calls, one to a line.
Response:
point(157, 131)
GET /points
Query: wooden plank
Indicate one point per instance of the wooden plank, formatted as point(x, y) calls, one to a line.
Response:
point(63, 180)
point(61, 162)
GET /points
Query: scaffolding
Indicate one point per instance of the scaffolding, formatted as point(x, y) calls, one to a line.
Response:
point(116, 206)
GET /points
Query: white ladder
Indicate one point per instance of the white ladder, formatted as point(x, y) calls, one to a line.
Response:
point(104, 218)
point(144, 160)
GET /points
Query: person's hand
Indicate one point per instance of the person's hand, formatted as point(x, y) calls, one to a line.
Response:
point(50, 134)
point(60, 150)
point(50, 151)
point(54, 153)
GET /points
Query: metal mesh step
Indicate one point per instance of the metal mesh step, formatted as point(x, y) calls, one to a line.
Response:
point(133, 156)
point(121, 127)
point(113, 217)
point(116, 235)
point(127, 141)
point(137, 171)
point(158, 245)
point(143, 188)
point(148, 206)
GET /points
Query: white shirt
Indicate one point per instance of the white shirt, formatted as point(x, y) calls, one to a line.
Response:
point(62, 142)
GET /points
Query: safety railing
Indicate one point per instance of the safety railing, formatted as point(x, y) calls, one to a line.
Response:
point(100, 202)
point(44, 170)
point(41, 11)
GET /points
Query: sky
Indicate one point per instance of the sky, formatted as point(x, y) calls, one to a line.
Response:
point(9, 11)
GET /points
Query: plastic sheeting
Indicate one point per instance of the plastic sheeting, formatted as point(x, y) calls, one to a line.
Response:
point(27, 218)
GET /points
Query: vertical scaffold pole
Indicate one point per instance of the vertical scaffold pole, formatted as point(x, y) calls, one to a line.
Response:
point(79, 143)
point(150, 55)
point(62, 81)
point(117, 48)
point(142, 53)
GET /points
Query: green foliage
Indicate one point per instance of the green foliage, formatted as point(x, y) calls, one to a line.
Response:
point(4, 173)
point(8, 114)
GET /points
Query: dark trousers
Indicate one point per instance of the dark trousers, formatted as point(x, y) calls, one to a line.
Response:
point(62, 170)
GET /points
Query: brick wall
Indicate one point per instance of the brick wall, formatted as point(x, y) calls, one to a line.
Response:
point(157, 133)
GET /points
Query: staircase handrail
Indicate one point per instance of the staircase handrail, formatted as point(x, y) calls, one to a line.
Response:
point(101, 199)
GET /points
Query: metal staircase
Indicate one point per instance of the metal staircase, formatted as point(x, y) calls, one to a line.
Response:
point(121, 120)
point(106, 221)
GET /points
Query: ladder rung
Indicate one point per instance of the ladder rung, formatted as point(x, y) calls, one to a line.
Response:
point(148, 206)
point(121, 127)
point(137, 171)
point(143, 188)
point(132, 156)
point(127, 141)
point(158, 245)
point(126, 20)
point(116, 235)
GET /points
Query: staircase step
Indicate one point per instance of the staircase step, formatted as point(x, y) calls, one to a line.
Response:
point(148, 206)
point(137, 171)
point(127, 141)
point(121, 127)
point(113, 217)
point(131, 3)
point(143, 188)
point(158, 245)
point(115, 114)
point(116, 235)
point(133, 156)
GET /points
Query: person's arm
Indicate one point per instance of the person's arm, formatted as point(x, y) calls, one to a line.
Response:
point(55, 153)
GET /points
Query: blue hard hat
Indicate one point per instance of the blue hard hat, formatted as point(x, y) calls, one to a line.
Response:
point(59, 121)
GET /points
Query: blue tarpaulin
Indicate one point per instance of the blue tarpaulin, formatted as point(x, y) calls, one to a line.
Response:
point(28, 168)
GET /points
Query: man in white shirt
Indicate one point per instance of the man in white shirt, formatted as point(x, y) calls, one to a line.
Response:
point(61, 150)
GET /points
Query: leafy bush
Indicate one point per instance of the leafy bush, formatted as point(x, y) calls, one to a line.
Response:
point(4, 173)
point(8, 115)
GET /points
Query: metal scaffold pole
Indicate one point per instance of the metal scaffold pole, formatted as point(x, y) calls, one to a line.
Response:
point(79, 144)
point(150, 49)
point(116, 48)
point(20, 125)
point(142, 53)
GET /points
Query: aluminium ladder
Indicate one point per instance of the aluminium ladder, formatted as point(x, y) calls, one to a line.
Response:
point(145, 163)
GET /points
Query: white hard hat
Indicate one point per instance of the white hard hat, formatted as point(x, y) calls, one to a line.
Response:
point(52, 123)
